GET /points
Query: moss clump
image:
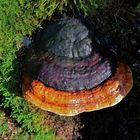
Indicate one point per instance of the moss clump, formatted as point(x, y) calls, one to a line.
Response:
point(17, 19)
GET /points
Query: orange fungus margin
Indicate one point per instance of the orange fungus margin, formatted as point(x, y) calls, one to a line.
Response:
point(111, 92)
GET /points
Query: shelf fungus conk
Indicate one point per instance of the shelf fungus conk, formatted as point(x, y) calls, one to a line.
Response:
point(67, 72)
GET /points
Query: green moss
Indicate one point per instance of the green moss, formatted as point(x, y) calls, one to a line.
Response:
point(19, 18)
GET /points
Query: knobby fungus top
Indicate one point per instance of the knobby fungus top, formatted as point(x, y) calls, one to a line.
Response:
point(65, 57)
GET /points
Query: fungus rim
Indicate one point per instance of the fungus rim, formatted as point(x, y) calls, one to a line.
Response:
point(122, 80)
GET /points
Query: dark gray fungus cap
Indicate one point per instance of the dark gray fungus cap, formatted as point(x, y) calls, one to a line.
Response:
point(63, 57)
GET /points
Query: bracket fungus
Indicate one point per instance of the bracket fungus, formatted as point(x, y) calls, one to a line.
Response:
point(67, 72)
